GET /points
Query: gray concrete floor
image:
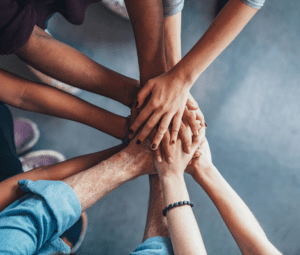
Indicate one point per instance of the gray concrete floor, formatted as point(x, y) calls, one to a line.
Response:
point(250, 98)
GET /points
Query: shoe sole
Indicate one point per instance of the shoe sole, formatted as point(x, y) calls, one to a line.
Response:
point(36, 136)
point(50, 153)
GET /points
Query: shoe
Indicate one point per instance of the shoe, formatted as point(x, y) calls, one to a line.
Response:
point(116, 6)
point(40, 158)
point(74, 236)
point(26, 134)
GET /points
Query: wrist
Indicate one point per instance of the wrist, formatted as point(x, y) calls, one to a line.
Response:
point(204, 174)
point(183, 75)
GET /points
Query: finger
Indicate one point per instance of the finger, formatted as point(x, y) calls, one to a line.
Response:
point(149, 126)
point(200, 116)
point(166, 147)
point(191, 105)
point(163, 127)
point(198, 139)
point(185, 138)
point(175, 128)
point(191, 120)
point(141, 118)
point(197, 153)
point(144, 93)
point(157, 154)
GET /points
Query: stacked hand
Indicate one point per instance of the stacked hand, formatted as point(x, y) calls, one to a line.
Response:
point(170, 107)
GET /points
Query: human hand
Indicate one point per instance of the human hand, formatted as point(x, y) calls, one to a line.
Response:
point(140, 157)
point(168, 100)
point(202, 160)
point(181, 159)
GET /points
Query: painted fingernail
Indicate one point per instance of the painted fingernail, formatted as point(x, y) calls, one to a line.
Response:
point(153, 146)
point(205, 124)
point(137, 103)
point(159, 159)
point(170, 160)
point(173, 141)
point(131, 131)
point(138, 141)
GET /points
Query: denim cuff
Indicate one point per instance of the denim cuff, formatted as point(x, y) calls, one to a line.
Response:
point(61, 199)
point(257, 4)
point(156, 245)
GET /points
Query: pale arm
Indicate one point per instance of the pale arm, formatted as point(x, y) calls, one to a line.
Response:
point(183, 227)
point(240, 221)
point(225, 27)
point(10, 190)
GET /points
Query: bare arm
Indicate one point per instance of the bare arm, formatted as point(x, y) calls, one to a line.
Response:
point(183, 227)
point(240, 221)
point(68, 65)
point(31, 96)
point(94, 183)
point(225, 27)
point(10, 190)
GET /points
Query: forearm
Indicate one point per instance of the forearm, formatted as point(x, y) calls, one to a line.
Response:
point(147, 22)
point(30, 96)
point(10, 190)
point(242, 224)
point(156, 224)
point(172, 38)
point(68, 65)
point(183, 227)
point(226, 26)
point(94, 183)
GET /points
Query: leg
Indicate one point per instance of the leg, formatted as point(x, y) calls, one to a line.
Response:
point(10, 164)
point(156, 223)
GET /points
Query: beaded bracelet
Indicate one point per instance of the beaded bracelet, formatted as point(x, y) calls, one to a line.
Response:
point(167, 208)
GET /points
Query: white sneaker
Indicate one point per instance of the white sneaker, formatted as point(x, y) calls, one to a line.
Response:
point(116, 6)
point(26, 134)
point(40, 158)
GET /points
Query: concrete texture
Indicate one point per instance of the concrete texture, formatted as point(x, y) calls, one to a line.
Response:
point(250, 98)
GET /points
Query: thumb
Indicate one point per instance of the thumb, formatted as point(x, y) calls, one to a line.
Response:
point(144, 93)
point(191, 105)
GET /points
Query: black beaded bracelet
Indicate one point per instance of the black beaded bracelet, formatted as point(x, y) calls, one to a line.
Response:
point(167, 208)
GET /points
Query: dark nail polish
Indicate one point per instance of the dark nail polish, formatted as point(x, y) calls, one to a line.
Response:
point(153, 146)
point(131, 131)
point(138, 141)
point(173, 141)
point(137, 103)
point(205, 125)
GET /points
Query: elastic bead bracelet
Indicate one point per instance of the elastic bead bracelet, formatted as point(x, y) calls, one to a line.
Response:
point(180, 203)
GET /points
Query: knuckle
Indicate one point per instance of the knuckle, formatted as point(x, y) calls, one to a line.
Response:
point(163, 127)
point(149, 125)
point(154, 103)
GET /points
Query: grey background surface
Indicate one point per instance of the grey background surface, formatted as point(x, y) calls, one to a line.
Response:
point(250, 98)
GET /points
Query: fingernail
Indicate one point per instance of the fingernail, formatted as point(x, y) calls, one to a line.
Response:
point(205, 124)
point(173, 141)
point(159, 159)
point(188, 149)
point(153, 146)
point(131, 131)
point(138, 141)
point(137, 103)
point(170, 160)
